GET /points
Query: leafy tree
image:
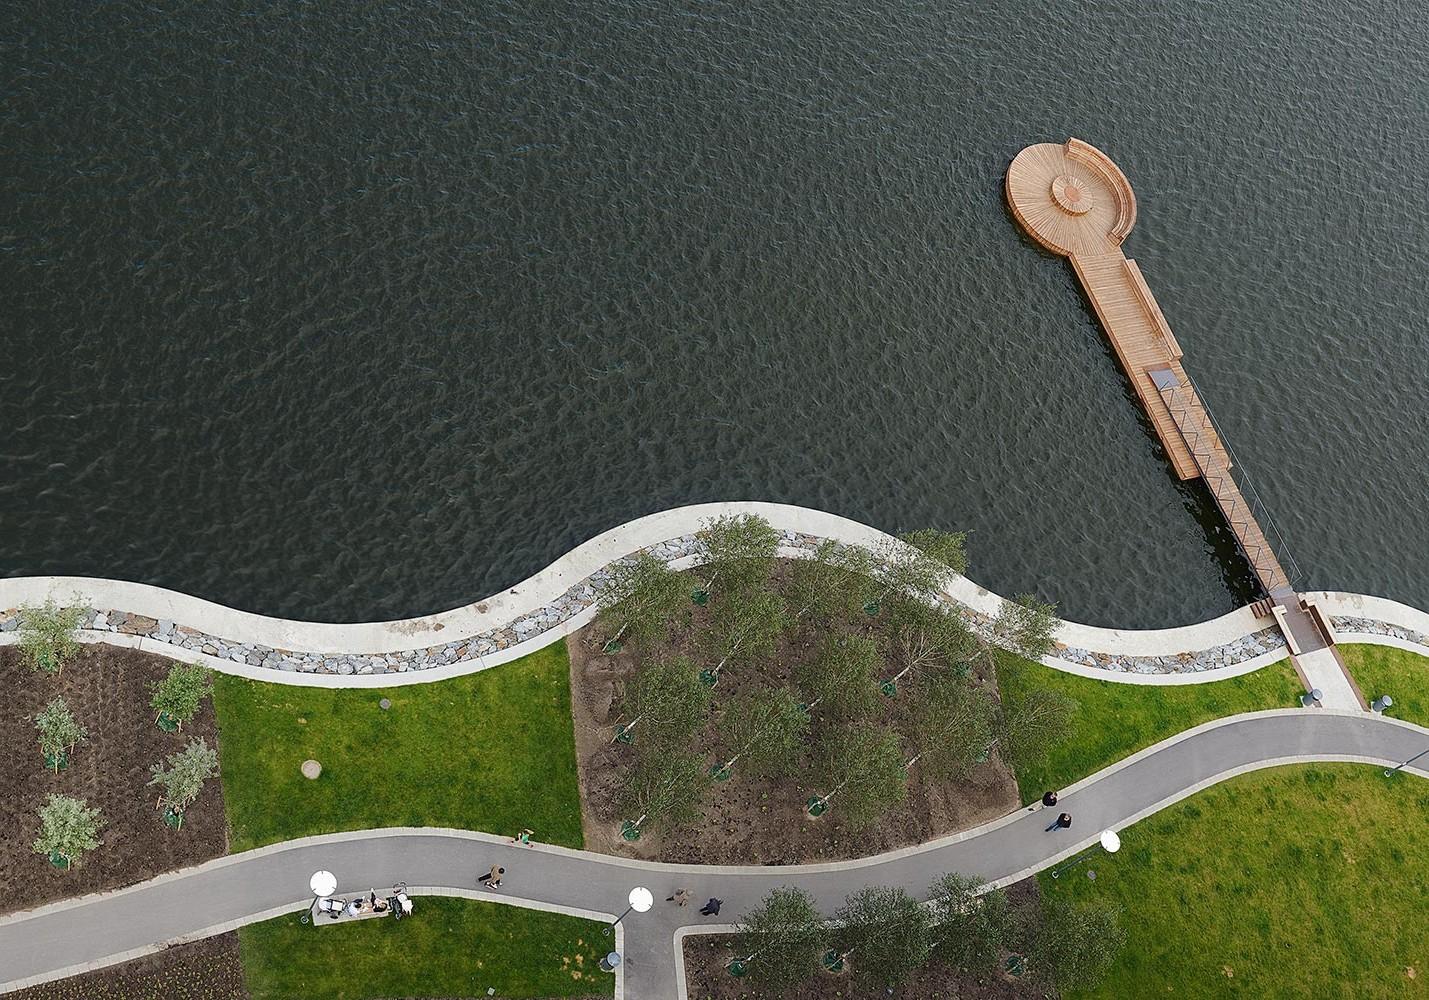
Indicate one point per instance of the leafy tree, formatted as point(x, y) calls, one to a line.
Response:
point(781, 938)
point(819, 585)
point(641, 596)
point(59, 733)
point(664, 787)
point(916, 564)
point(666, 700)
point(945, 547)
point(766, 729)
point(952, 726)
point(746, 626)
point(178, 695)
point(1074, 946)
point(68, 828)
point(862, 764)
point(1025, 625)
point(888, 932)
point(1030, 728)
point(181, 777)
point(928, 637)
point(49, 634)
point(969, 930)
point(839, 681)
point(741, 549)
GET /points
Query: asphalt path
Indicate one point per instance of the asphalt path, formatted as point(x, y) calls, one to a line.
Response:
point(70, 936)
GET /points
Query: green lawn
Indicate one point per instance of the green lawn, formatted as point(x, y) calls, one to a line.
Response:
point(1402, 675)
point(1115, 720)
point(447, 948)
point(1308, 881)
point(493, 751)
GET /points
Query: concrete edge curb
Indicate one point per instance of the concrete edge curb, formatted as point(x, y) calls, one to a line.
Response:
point(550, 583)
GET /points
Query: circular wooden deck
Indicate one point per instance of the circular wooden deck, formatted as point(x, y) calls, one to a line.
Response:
point(1071, 198)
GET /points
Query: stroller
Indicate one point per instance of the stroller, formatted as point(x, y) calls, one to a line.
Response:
point(399, 902)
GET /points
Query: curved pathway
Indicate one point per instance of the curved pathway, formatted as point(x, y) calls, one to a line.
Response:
point(559, 599)
point(66, 937)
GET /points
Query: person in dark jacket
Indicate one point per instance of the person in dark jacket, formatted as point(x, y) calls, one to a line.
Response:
point(1049, 799)
point(711, 908)
point(1062, 822)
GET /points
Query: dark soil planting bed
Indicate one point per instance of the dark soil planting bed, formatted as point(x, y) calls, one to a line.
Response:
point(758, 821)
point(204, 970)
point(108, 691)
point(707, 958)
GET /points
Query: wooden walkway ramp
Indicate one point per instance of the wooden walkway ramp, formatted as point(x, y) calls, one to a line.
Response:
point(1072, 199)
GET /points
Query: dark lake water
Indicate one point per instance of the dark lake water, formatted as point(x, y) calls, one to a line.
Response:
point(359, 311)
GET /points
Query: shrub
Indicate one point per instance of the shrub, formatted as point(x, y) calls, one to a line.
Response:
point(49, 634)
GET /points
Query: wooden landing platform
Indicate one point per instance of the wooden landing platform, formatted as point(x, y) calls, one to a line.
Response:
point(1072, 199)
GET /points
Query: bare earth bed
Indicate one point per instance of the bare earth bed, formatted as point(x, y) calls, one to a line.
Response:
point(203, 970)
point(107, 689)
point(708, 955)
point(744, 820)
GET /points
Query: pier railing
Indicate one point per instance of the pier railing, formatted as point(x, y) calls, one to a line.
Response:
point(1258, 509)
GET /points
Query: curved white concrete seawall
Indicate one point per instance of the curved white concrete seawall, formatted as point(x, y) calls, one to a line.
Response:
point(559, 599)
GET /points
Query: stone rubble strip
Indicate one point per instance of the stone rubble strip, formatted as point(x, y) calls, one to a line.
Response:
point(581, 597)
point(1371, 626)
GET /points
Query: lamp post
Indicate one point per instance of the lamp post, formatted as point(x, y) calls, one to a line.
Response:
point(323, 883)
point(641, 899)
point(1406, 763)
point(1110, 843)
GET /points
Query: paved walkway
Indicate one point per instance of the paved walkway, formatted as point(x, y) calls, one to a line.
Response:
point(66, 937)
point(1323, 671)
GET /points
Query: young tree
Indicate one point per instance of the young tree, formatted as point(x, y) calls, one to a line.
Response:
point(839, 681)
point(1073, 945)
point(177, 697)
point(666, 700)
point(59, 733)
point(781, 938)
point(1025, 626)
point(68, 828)
point(969, 931)
point(887, 931)
point(818, 585)
point(746, 627)
point(663, 787)
point(49, 634)
point(927, 637)
point(1031, 727)
point(952, 726)
point(766, 730)
point(946, 547)
point(864, 768)
point(915, 565)
point(640, 596)
point(741, 549)
point(180, 778)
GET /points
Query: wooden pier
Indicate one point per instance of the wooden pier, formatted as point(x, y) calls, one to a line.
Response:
point(1073, 200)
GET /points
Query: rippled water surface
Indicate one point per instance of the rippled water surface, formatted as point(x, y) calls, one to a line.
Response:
point(359, 311)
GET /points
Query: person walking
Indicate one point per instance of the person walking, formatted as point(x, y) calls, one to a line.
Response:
point(711, 908)
point(680, 898)
point(492, 879)
point(1062, 822)
point(523, 838)
point(1049, 799)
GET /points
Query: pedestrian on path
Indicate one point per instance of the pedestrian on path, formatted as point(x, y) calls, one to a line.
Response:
point(1062, 822)
point(680, 898)
point(1049, 799)
point(492, 879)
point(523, 838)
point(711, 908)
